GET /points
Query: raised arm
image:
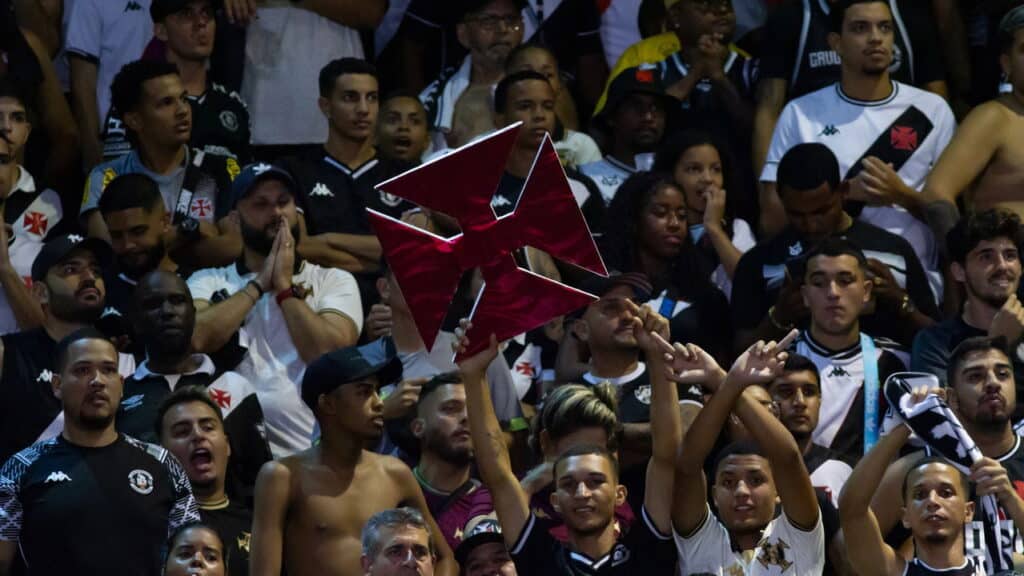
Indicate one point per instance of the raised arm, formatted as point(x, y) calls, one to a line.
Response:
point(651, 330)
point(990, 477)
point(492, 459)
point(273, 487)
point(865, 545)
point(85, 108)
point(791, 478)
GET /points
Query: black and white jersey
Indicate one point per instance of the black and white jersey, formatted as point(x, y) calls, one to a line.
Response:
point(1012, 543)
point(641, 550)
point(634, 390)
point(828, 471)
point(33, 215)
point(799, 51)
point(334, 197)
point(917, 567)
point(62, 503)
point(233, 522)
point(584, 190)
point(908, 129)
point(783, 549)
point(29, 412)
point(841, 419)
point(243, 415)
point(609, 173)
point(761, 272)
point(220, 125)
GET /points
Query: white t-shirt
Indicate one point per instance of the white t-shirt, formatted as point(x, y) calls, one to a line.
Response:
point(30, 231)
point(620, 28)
point(285, 48)
point(110, 32)
point(783, 549)
point(849, 127)
point(272, 363)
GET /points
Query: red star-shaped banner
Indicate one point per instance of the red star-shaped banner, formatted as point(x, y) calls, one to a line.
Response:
point(461, 184)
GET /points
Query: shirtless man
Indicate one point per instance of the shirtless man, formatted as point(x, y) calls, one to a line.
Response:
point(986, 155)
point(311, 506)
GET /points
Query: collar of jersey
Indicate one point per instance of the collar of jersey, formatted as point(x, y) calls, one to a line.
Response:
point(920, 562)
point(869, 103)
point(734, 51)
point(616, 163)
point(348, 171)
point(25, 183)
point(620, 380)
point(205, 367)
point(822, 351)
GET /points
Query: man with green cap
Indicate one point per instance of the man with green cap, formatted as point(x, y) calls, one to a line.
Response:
point(311, 506)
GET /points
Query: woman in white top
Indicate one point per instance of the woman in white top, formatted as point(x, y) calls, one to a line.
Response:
point(702, 170)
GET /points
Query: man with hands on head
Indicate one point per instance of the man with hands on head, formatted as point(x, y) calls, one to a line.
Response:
point(937, 508)
point(586, 480)
point(750, 480)
point(293, 311)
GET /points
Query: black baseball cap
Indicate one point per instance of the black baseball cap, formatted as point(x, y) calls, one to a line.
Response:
point(161, 9)
point(644, 79)
point(253, 174)
point(57, 250)
point(478, 530)
point(351, 364)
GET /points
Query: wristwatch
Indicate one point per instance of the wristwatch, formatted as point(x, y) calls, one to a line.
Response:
point(293, 292)
point(188, 228)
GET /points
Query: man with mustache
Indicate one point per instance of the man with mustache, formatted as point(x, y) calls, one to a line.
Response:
point(985, 260)
point(982, 393)
point(293, 311)
point(67, 282)
point(164, 317)
point(885, 134)
point(63, 499)
point(446, 455)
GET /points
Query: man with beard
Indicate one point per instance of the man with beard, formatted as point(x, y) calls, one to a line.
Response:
point(191, 426)
point(489, 30)
point(985, 259)
point(63, 499)
point(164, 318)
point(886, 135)
point(852, 365)
point(311, 507)
point(67, 282)
point(193, 183)
point(446, 453)
point(982, 393)
point(292, 311)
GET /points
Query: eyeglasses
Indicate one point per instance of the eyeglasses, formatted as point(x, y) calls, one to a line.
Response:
point(493, 23)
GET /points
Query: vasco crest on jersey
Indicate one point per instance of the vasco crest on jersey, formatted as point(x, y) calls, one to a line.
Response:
point(140, 481)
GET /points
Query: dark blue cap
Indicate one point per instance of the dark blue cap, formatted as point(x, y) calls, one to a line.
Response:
point(351, 364)
point(253, 174)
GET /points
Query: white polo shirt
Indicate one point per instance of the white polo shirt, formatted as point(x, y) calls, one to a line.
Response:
point(272, 363)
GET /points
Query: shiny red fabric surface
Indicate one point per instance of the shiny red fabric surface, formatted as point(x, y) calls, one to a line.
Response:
point(461, 184)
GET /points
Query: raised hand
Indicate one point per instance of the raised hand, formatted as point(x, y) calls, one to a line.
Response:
point(649, 328)
point(284, 261)
point(477, 364)
point(1008, 321)
point(379, 321)
point(403, 400)
point(990, 477)
point(690, 364)
point(714, 207)
point(265, 278)
point(762, 362)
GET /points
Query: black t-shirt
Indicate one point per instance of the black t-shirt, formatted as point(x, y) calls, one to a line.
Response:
point(594, 211)
point(27, 403)
point(234, 524)
point(705, 322)
point(799, 52)
point(243, 416)
point(64, 504)
point(220, 125)
point(641, 550)
point(761, 273)
point(334, 197)
point(918, 568)
point(634, 391)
